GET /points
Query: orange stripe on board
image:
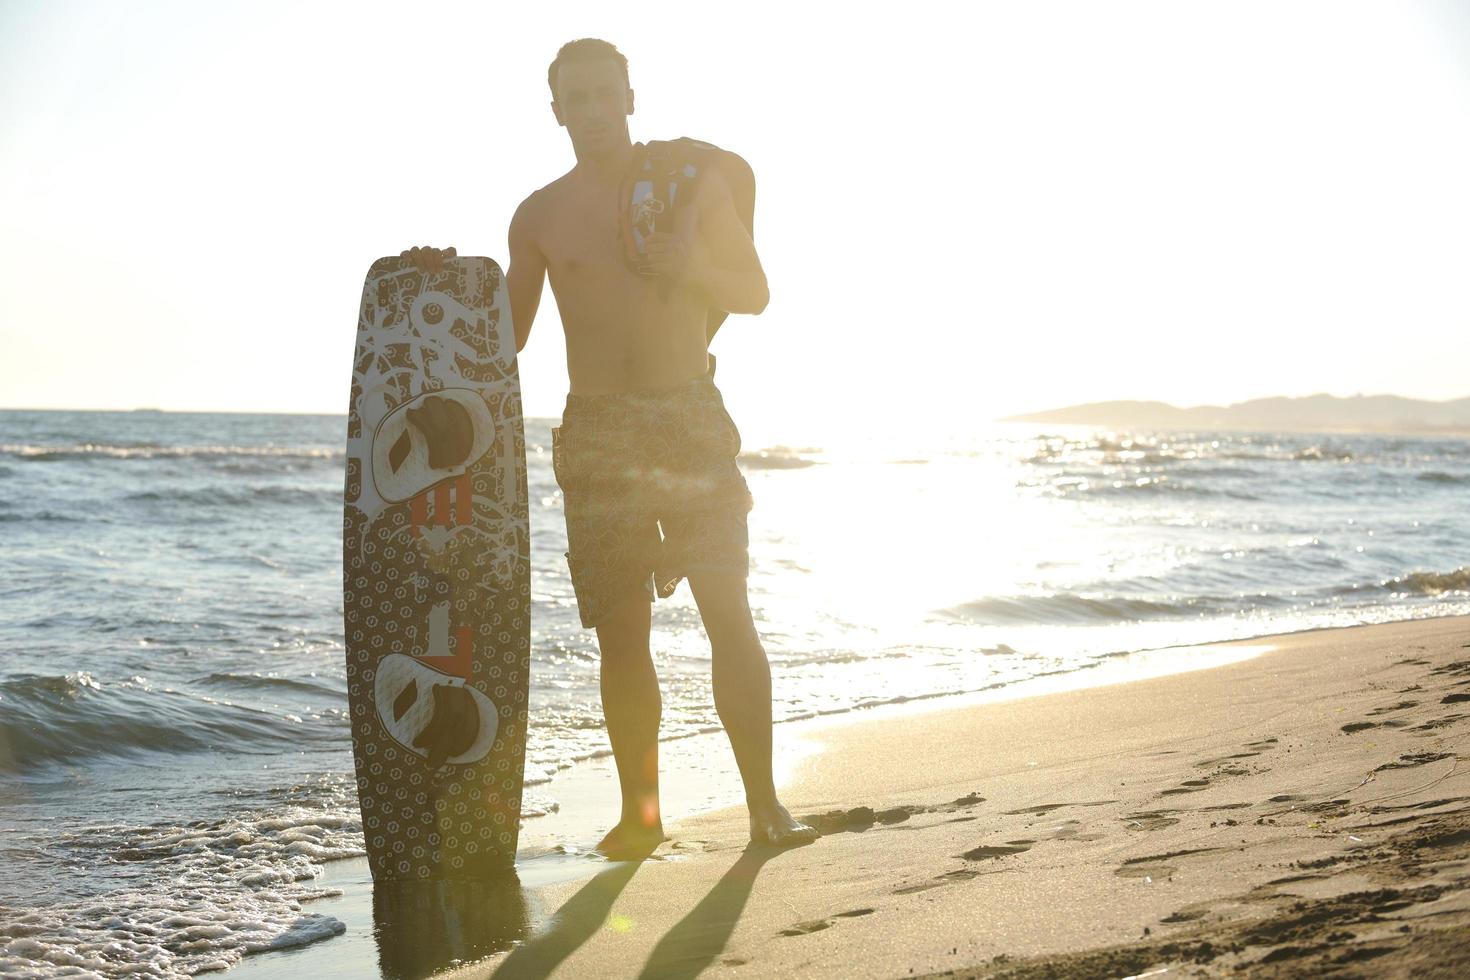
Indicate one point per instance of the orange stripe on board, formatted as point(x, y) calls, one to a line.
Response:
point(441, 505)
point(458, 662)
point(418, 513)
point(463, 501)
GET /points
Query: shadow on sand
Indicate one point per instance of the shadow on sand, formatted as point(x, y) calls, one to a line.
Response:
point(572, 925)
point(701, 935)
point(685, 951)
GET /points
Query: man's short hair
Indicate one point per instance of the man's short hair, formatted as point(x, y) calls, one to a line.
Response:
point(585, 49)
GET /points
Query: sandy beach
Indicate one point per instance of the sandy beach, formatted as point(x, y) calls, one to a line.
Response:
point(1299, 812)
point(1104, 534)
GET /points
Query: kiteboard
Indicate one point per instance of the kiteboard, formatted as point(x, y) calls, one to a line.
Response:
point(436, 571)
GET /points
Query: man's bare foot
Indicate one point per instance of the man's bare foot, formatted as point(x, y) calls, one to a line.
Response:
point(631, 841)
point(775, 826)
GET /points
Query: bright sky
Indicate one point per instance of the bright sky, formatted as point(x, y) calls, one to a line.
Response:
point(972, 209)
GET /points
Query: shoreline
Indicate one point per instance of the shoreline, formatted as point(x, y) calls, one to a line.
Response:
point(590, 779)
point(890, 789)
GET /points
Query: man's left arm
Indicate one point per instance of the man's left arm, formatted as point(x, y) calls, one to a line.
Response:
point(717, 256)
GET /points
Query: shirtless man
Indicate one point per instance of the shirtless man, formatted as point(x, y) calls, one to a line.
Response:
point(645, 442)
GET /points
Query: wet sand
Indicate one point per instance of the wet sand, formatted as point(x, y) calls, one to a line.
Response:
point(1302, 812)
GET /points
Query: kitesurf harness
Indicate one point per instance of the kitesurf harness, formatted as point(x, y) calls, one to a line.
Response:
point(660, 181)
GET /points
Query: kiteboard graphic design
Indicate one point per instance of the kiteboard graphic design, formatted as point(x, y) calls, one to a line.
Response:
point(436, 571)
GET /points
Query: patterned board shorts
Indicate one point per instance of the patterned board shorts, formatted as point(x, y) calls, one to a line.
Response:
point(652, 492)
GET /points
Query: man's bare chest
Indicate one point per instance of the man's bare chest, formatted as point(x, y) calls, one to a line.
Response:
point(582, 237)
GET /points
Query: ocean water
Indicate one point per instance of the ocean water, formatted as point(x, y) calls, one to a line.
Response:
point(175, 764)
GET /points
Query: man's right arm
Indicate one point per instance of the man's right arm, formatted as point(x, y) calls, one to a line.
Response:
point(527, 272)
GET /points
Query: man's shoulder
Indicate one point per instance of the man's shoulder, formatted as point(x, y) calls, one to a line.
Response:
point(552, 192)
point(722, 174)
point(538, 201)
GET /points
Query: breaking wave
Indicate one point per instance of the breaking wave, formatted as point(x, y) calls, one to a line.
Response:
point(1067, 487)
point(221, 890)
point(1436, 476)
point(1069, 609)
point(1431, 583)
point(72, 717)
point(263, 682)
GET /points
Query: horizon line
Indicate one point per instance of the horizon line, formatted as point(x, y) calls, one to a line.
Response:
point(148, 409)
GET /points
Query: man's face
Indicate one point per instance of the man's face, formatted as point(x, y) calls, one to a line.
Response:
point(594, 104)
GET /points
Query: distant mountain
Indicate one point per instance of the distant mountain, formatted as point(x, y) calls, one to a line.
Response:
point(1314, 413)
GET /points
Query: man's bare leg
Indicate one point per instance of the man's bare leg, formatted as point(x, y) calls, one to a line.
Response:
point(742, 683)
point(632, 706)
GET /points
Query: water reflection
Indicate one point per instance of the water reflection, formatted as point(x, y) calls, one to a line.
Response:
point(422, 927)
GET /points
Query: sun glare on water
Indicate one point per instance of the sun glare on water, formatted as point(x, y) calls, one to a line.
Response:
point(873, 535)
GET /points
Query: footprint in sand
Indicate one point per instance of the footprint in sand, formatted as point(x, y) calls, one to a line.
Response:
point(1196, 785)
point(963, 803)
point(1400, 807)
point(1208, 763)
point(858, 819)
point(817, 925)
point(1434, 723)
point(1188, 786)
point(1039, 808)
point(1145, 871)
point(861, 818)
point(948, 878)
point(921, 887)
point(1253, 749)
point(1048, 807)
point(1412, 759)
point(1152, 820)
point(1290, 880)
point(997, 850)
point(1385, 709)
point(1153, 866)
point(1359, 726)
point(1071, 830)
point(805, 928)
point(1227, 763)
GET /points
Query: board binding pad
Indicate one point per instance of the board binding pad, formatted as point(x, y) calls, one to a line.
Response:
point(436, 571)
